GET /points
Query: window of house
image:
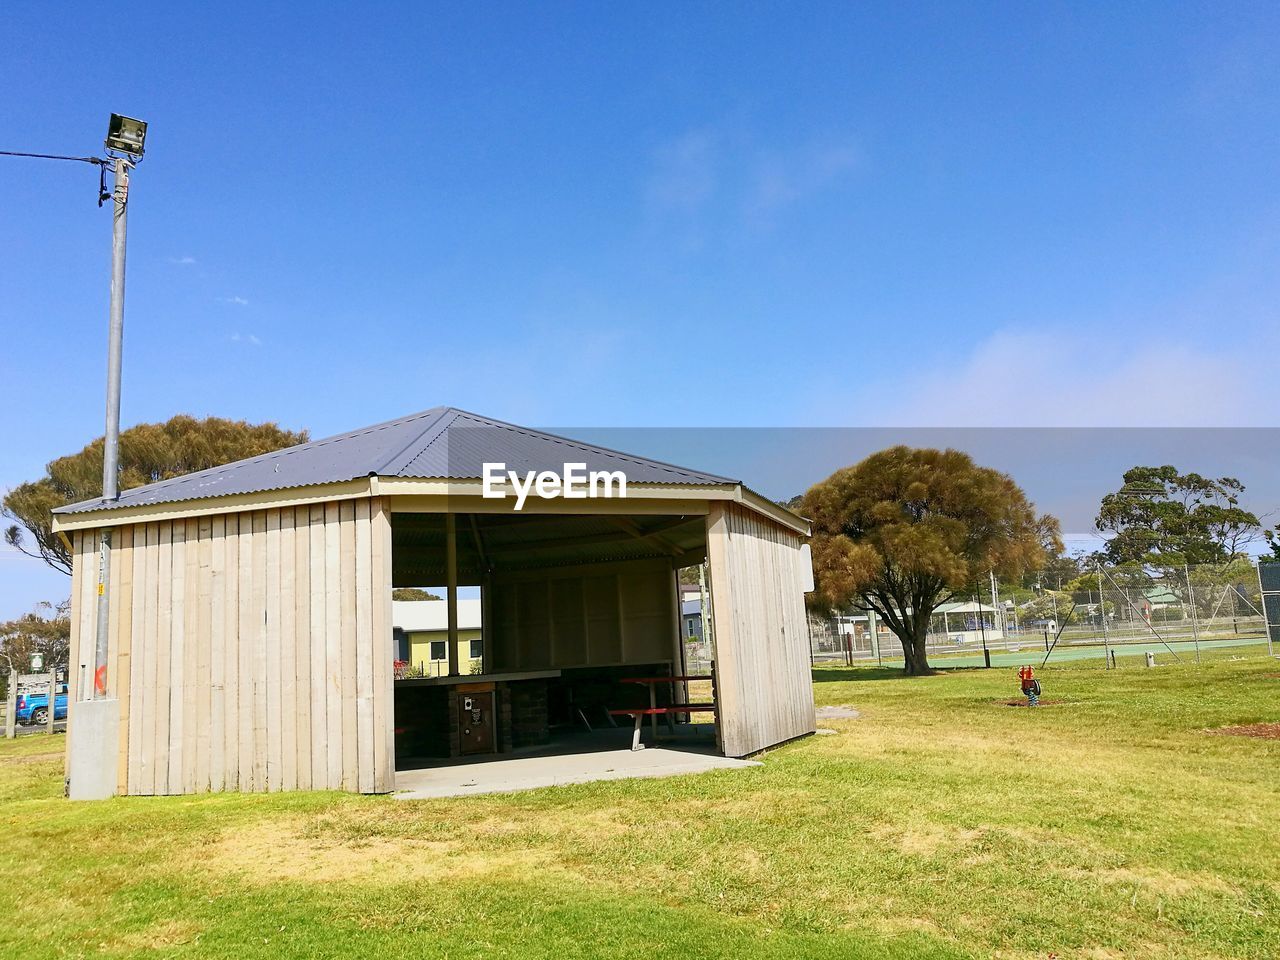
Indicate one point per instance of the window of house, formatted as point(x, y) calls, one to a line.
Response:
point(691, 626)
point(477, 649)
point(439, 650)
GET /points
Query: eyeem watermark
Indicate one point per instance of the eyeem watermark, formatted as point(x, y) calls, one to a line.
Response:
point(575, 483)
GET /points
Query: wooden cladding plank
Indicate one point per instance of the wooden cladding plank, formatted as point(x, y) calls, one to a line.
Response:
point(302, 642)
point(347, 614)
point(122, 658)
point(245, 665)
point(146, 747)
point(218, 640)
point(84, 625)
point(333, 647)
point(138, 691)
point(88, 613)
point(203, 660)
point(274, 747)
point(73, 650)
point(187, 691)
point(231, 657)
point(384, 771)
point(113, 621)
point(164, 651)
point(316, 646)
point(365, 644)
point(177, 656)
point(258, 653)
point(288, 706)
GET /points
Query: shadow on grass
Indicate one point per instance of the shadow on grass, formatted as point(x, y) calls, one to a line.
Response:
point(854, 674)
point(851, 674)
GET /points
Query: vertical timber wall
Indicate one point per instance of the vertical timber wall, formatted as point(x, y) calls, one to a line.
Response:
point(761, 632)
point(249, 651)
point(605, 614)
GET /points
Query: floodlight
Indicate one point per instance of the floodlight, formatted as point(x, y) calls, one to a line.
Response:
point(126, 135)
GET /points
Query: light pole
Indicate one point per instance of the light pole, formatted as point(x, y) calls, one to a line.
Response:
point(91, 754)
point(125, 140)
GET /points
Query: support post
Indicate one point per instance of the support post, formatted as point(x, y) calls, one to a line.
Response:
point(1102, 612)
point(1262, 599)
point(997, 615)
point(874, 629)
point(53, 698)
point(451, 583)
point(982, 625)
point(11, 707)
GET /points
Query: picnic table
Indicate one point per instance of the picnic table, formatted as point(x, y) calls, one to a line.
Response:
point(653, 711)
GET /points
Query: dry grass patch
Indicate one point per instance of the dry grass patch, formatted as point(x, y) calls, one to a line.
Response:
point(1259, 731)
point(290, 850)
point(164, 935)
point(926, 840)
point(32, 758)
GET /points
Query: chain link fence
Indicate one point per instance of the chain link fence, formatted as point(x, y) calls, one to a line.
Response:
point(1105, 611)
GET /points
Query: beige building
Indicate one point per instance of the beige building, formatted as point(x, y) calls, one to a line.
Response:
point(422, 636)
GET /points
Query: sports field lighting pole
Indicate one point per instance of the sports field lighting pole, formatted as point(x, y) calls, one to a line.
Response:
point(91, 755)
point(125, 141)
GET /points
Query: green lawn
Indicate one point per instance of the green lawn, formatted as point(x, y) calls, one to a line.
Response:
point(940, 824)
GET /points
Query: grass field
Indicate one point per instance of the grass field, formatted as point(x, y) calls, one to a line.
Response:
point(939, 824)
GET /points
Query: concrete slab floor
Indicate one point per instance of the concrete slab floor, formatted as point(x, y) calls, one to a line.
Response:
point(507, 774)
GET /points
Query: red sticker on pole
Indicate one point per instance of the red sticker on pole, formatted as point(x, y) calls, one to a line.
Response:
point(100, 681)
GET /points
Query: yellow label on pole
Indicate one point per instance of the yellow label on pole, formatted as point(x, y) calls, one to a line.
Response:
point(100, 589)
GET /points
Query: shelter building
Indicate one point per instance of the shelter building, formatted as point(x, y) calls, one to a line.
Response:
point(250, 619)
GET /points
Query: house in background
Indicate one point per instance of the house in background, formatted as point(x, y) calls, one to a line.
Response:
point(691, 612)
point(422, 635)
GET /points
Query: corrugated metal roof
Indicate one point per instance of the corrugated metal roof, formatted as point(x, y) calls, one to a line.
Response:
point(443, 443)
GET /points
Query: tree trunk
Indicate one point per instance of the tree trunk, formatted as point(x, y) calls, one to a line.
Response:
point(915, 659)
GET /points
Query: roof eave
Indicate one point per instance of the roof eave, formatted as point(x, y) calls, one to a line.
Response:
point(373, 486)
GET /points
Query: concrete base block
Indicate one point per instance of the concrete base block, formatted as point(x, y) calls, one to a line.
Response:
point(93, 750)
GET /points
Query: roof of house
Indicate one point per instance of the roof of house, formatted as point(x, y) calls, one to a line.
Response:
point(442, 443)
point(414, 616)
point(967, 606)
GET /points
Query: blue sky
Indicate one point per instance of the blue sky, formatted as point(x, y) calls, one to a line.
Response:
point(636, 215)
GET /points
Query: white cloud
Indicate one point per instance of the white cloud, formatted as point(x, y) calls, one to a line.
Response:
point(184, 261)
point(1073, 378)
point(248, 338)
point(237, 301)
point(684, 173)
point(709, 175)
point(783, 178)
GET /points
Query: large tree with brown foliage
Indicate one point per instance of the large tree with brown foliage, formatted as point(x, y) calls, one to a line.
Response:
point(907, 529)
point(148, 452)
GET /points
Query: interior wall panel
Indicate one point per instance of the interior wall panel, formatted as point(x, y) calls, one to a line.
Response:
point(607, 614)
